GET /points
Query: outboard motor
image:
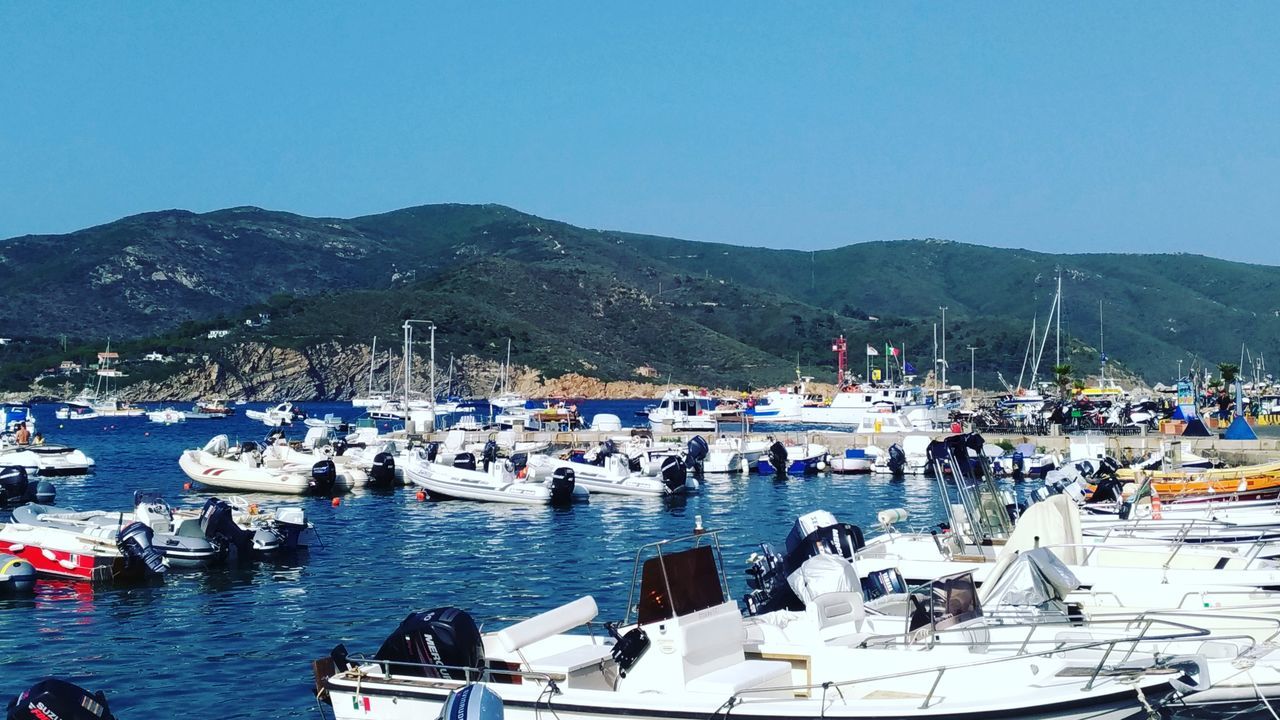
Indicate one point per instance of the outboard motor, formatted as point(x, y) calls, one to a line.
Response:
point(134, 541)
point(289, 524)
point(1018, 462)
point(42, 492)
point(562, 482)
point(897, 459)
point(472, 702)
point(696, 454)
point(464, 461)
point(433, 449)
point(13, 485)
point(383, 471)
point(440, 643)
point(519, 462)
point(1108, 489)
point(17, 576)
point(490, 454)
point(324, 475)
point(674, 474)
point(54, 698)
point(778, 458)
point(767, 581)
point(220, 527)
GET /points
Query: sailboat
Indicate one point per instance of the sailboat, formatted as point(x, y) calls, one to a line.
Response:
point(372, 398)
point(101, 400)
point(507, 397)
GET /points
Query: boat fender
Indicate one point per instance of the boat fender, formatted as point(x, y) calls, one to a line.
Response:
point(472, 702)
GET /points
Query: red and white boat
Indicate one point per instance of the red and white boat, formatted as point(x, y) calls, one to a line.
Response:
point(85, 551)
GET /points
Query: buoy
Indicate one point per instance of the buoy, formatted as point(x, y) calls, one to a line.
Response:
point(146, 434)
point(337, 502)
point(821, 466)
point(421, 496)
point(186, 486)
point(1156, 511)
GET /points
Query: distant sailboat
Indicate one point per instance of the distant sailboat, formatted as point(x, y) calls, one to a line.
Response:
point(372, 398)
point(101, 401)
point(506, 396)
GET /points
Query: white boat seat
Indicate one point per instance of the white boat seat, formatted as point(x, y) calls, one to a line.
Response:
point(742, 675)
point(839, 614)
point(571, 660)
point(552, 622)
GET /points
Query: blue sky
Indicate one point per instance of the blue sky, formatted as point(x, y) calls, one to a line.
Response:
point(1052, 126)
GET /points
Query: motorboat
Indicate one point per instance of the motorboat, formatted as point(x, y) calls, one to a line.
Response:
point(854, 461)
point(612, 472)
point(243, 469)
point(497, 481)
point(328, 421)
point(316, 448)
point(1026, 461)
point(728, 454)
point(683, 651)
point(683, 409)
point(788, 459)
point(77, 550)
point(17, 576)
point(167, 416)
point(45, 459)
point(282, 414)
point(211, 408)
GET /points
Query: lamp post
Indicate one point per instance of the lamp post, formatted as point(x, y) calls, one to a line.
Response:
point(971, 388)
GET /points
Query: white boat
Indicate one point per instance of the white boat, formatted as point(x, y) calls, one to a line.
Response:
point(684, 410)
point(793, 459)
point(317, 448)
point(100, 401)
point(506, 397)
point(167, 416)
point(728, 454)
point(242, 469)
point(854, 461)
point(615, 476)
point(885, 422)
point(282, 414)
point(45, 459)
point(501, 483)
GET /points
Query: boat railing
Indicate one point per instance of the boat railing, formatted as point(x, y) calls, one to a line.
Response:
point(1203, 595)
point(1107, 646)
point(1249, 558)
point(361, 663)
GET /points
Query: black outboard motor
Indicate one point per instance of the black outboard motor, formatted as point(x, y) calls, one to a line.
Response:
point(324, 475)
point(13, 486)
point(562, 482)
point(674, 474)
point(464, 461)
point(220, 527)
point(440, 643)
point(696, 454)
point(897, 459)
point(490, 454)
point(383, 472)
point(134, 541)
point(519, 462)
point(433, 449)
point(42, 492)
point(767, 581)
point(54, 698)
point(778, 458)
point(1108, 489)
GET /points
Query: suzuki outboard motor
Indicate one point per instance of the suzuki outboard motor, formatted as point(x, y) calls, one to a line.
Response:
point(13, 485)
point(562, 482)
point(674, 475)
point(472, 702)
point(464, 461)
point(383, 471)
point(490, 454)
point(324, 475)
point(897, 459)
point(134, 541)
point(696, 453)
point(440, 643)
point(778, 458)
point(54, 698)
point(220, 527)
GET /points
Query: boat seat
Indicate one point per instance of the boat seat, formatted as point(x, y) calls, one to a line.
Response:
point(839, 614)
point(740, 676)
point(572, 660)
point(552, 622)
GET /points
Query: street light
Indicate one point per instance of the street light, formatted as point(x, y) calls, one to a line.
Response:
point(971, 349)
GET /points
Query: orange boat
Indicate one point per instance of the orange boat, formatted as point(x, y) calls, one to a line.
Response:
point(1243, 480)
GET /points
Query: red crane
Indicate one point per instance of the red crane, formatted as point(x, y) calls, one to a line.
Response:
point(841, 349)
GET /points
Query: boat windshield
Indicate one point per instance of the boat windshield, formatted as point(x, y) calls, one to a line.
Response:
point(679, 583)
point(944, 603)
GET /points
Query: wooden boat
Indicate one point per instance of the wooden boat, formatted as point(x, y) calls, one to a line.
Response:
point(1246, 481)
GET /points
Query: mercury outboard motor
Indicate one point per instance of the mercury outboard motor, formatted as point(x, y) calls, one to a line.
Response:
point(562, 482)
point(383, 471)
point(134, 541)
point(897, 459)
point(696, 453)
point(490, 454)
point(464, 461)
point(778, 458)
point(324, 475)
point(54, 698)
point(440, 643)
point(13, 485)
point(674, 474)
point(220, 527)
point(473, 702)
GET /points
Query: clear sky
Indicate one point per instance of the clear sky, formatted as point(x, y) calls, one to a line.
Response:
point(1131, 126)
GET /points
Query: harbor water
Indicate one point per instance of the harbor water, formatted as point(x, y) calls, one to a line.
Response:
point(237, 642)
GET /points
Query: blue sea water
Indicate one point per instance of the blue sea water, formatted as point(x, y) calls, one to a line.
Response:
point(237, 642)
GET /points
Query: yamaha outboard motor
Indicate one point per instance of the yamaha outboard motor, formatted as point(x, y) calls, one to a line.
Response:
point(134, 541)
point(897, 459)
point(13, 485)
point(464, 461)
point(220, 527)
point(674, 474)
point(472, 702)
point(383, 472)
point(696, 454)
point(54, 698)
point(324, 475)
point(440, 643)
point(489, 454)
point(778, 458)
point(562, 482)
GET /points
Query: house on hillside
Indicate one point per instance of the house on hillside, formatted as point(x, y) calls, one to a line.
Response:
point(262, 320)
point(157, 357)
point(215, 334)
point(70, 367)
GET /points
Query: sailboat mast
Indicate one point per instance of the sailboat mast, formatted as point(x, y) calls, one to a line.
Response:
point(1057, 333)
point(373, 355)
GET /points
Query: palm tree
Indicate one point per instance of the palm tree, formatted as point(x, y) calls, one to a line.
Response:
point(1229, 372)
point(1062, 376)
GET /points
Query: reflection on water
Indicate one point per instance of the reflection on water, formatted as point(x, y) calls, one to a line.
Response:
point(241, 639)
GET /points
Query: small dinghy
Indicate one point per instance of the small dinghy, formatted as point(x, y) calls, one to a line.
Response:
point(501, 481)
point(17, 576)
point(249, 531)
point(853, 462)
point(611, 472)
point(71, 548)
point(243, 469)
point(54, 699)
point(283, 414)
point(167, 416)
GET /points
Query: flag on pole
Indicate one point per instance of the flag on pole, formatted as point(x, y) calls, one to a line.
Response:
point(891, 350)
point(871, 352)
point(908, 368)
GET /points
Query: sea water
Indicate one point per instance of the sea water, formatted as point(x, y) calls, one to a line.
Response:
point(237, 642)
